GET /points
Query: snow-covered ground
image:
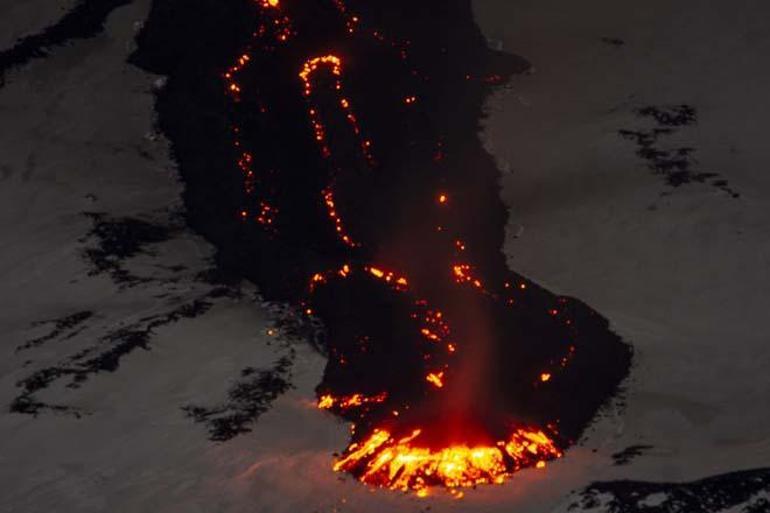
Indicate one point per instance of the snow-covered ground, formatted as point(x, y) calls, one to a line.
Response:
point(24, 18)
point(77, 136)
point(682, 276)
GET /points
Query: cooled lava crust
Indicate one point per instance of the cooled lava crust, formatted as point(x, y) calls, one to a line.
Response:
point(330, 151)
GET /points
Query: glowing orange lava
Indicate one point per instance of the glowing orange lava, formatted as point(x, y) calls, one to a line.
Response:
point(334, 64)
point(436, 379)
point(405, 465)
point(328, 401)
point(463, 274)
point(331, 209)
point(399, 282)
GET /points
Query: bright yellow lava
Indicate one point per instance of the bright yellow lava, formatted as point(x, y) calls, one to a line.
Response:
point(384, 462)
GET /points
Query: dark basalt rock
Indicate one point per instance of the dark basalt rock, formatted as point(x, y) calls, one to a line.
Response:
point(746, 491)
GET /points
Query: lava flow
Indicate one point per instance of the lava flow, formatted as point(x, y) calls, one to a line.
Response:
point(361, 195)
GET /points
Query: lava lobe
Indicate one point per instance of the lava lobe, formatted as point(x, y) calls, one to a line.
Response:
point(330, 151)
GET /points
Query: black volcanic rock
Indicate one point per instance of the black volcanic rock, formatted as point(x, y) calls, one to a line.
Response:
point(416, 76)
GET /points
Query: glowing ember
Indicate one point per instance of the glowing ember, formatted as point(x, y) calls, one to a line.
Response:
point(327, 401)
point(463, 274)
point(436, 379)
point(331, 208)
point(334, 65)
point(399, 282)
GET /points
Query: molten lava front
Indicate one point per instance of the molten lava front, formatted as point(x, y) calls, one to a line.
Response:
point(402, 464)
point(452, 370)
